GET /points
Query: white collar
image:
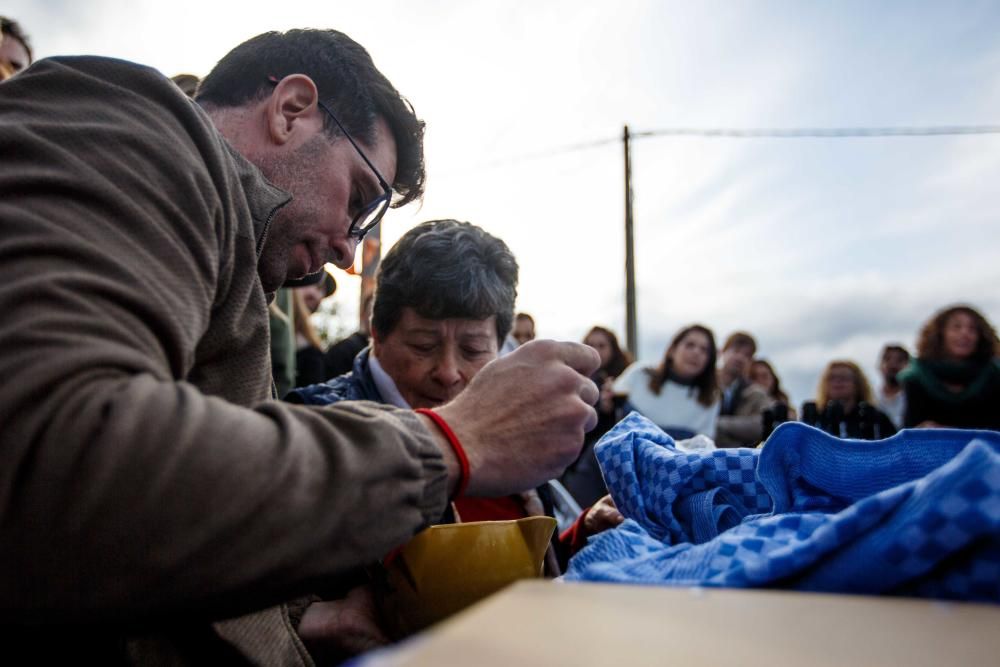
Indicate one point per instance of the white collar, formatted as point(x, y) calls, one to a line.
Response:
point(385, 384)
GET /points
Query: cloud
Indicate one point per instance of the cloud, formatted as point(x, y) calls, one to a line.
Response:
point(821, 248)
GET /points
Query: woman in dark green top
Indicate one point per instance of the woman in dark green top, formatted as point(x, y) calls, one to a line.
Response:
point(955, 380)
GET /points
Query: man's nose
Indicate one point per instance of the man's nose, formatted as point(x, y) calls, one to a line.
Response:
point(342, 254)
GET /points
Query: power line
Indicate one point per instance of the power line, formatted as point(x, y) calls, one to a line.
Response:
point(558, 150)
point(821, 132)
point(760, 133)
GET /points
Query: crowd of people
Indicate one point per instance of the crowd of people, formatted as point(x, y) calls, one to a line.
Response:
point(953, 382)
point(163, 251)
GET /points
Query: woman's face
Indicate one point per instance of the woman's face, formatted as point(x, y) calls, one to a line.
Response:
point(841, 384)
point(431, 361)
point(960, 336)
point(690, 356)
point(761, 376)
point(600, 342)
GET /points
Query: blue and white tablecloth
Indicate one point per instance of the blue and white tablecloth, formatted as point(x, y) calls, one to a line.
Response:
point(915, 514)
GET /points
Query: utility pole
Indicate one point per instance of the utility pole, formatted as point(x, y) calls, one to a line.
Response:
point(630, 315)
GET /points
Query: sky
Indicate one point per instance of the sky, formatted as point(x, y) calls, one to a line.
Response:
point(822, 248)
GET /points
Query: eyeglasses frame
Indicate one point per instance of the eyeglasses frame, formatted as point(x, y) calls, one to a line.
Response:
point(384, 200)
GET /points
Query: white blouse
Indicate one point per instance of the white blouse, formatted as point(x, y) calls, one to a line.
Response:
point(675, 409)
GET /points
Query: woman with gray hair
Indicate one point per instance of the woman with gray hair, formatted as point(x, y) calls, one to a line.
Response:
point(444, 302)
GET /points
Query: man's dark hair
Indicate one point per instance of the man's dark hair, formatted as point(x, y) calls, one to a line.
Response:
point(13, 29)
point(894, 347)
point(443, 269)
point(741, 339)
point(347, 81)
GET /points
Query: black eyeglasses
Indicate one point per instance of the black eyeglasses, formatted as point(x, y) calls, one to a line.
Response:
point(371, 213)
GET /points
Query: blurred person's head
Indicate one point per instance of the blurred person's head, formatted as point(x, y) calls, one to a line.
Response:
point(313, 295)
point(15, 48)
point(188, 83)
point(843, 381)
point(613, 359)
point(737, 353)
point(524, 328)
point(444, 301)
point(762, 374)
point(304, 329)
point(958, 333)
point(689, 359)
point(292, 103)
point(892, 361)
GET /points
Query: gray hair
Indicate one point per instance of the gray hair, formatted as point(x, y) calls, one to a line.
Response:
point(443, 269)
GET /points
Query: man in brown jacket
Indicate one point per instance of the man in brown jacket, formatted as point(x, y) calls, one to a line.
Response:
point(741, 414)
point(149, 488)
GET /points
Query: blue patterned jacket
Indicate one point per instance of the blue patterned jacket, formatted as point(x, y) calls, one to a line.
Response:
point(357, 385)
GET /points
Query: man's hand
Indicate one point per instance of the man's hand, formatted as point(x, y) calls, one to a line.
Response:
point(342, 628)
point(522, 418)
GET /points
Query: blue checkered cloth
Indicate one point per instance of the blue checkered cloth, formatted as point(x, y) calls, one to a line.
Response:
point(915, 514)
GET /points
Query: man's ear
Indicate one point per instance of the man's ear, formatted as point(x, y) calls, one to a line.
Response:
point(293, 114)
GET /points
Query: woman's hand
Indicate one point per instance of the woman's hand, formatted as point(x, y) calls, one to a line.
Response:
point(603, 515)
point(342, 628)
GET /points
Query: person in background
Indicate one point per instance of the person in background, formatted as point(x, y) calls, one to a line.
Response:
point(310, 364)
point(339, 357)
point(681, 395)
point(762, 374)
point(614, 359)
point(188, 83)
point(955, 380)
point(524, 328)
point(15, 49)
point(523, 331)
point(281, 323)
point(583, 479)
point(313, 295)
point(741, 413)
point(891, 398)
point(444, 299)
point(844, 398)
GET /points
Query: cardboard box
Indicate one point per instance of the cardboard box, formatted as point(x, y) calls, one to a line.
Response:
point(552, 623)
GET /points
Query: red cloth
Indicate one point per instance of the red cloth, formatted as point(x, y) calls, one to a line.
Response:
point(490, 509)
point(575, 537)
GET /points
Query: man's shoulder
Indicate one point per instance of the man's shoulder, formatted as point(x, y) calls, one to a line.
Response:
point(114, 81)
point(95, 66)
point(753, 398)
point(96, 106)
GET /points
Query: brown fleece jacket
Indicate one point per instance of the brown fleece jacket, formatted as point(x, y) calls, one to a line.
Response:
point(147, 482)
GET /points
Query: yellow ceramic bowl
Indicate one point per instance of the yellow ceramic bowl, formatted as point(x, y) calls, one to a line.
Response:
point(446, 568)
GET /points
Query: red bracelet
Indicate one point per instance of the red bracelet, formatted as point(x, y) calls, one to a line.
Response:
point(456, 446)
